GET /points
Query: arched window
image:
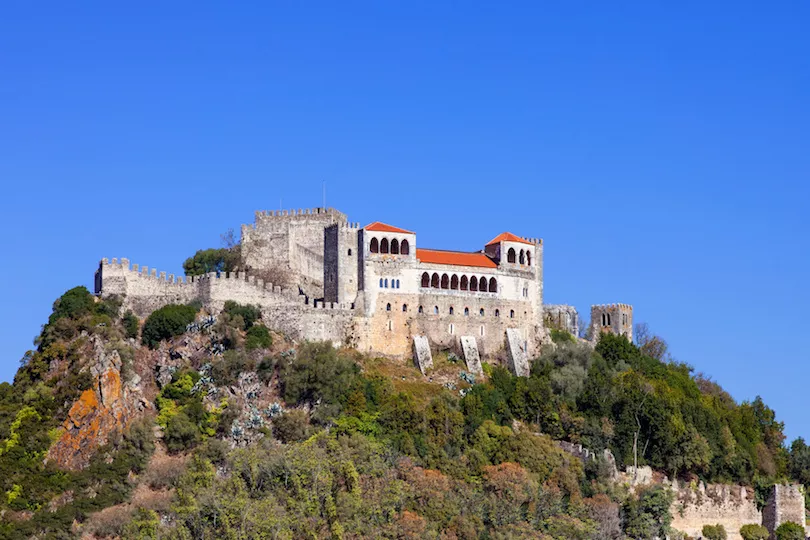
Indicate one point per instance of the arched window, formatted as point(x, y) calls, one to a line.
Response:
point(435, 310)
point(482, 284)
point(522, 257)
point(404, 308)
point(386, 283)
point(608, 319)
point(511, 313)
point(451, 310)
point(445, 281)
point(388, 307)
point(481, 312)
point(384, 245)
point(493, 285)
point(375, 246)
point(466, 312)
point(528, 258)
point(350, 252)
point(421, 309)
point(425, 279)
point(381, 282)
point(454, 282)
point(404, 248)
point(497, 312)
point(473, 283)
point(434, 281)
point(397, 284)
point(395, 246)
point(510, 255)
point(465, 283)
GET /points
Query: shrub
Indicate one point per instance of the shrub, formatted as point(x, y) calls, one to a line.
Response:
point(225, 372)
point(258, 337)
point(714, 532)
point(319, 374)
point(73, 304)
point(266, 368)
point(789, 531)
point(754, 532)
point(561, 336)
point(130, 323)
point(181, 433)
point(292, 426)
point(167, 322)
point(250, 314)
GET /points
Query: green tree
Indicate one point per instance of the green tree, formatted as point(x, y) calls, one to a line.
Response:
point(714, 532)
point(130, 322)
point(648, 516)
point(754, 532)
point(789, 531)
point(249, 314)
point(167, 322)
point(258, 337)
point(212, 260)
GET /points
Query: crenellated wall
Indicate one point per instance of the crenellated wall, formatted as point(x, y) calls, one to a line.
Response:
point(698, 504)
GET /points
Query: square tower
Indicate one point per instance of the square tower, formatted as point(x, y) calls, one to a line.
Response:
point(612, 318)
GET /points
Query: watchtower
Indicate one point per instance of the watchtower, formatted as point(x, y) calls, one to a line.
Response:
point(612, 318)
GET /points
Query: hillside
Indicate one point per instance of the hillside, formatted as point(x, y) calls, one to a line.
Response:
point(190, 424)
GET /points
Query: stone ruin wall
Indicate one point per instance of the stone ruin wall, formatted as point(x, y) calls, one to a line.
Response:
point(699, 504)
point(786, 503)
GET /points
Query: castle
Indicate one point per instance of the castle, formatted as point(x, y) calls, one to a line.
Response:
point(373, 289)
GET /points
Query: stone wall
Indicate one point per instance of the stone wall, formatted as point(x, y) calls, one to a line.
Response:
point(698, 504)
point(562, 317)
point(292, 241)
point(786, 503)
point(614, 318)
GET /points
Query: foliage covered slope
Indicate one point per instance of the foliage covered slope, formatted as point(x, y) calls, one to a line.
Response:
point(261, 438)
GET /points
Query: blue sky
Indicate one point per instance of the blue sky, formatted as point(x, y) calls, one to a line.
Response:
point(661, 152)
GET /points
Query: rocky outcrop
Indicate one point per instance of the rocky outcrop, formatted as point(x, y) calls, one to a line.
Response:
point(100, 411)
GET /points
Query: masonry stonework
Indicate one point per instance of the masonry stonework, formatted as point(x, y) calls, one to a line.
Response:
point(371, 288)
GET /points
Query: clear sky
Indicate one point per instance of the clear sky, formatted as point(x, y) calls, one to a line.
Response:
point(661, 152)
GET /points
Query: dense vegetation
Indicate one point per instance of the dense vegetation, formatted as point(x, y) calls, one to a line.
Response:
point(353, 453)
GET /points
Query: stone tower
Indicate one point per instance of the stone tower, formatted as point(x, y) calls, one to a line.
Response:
point(612, 318)
point(341, 255)
point(290, 241)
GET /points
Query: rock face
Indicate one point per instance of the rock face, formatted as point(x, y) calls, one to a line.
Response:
point(98, 413)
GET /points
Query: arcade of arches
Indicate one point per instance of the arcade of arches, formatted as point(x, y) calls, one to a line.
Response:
point(464, 283)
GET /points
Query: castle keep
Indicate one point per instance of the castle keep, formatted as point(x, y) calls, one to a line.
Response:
point(373, 288)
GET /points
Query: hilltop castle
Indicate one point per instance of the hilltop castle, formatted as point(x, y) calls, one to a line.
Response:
point(373, 289)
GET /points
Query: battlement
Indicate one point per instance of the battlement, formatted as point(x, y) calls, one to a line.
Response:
point(534, 241)
point(305, 212)
point(612, 306)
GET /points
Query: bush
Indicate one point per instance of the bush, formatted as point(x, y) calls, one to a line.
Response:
point(789, 531)
point(561, 336)
point(167, 322)
point(73, 304)
point(754, 532)
point(181, 433)
point(319, 375)
point(225, 372)
point(130, 323)
point(250, 314)
point(292, 426)
point(714, 532)
point(258, 337)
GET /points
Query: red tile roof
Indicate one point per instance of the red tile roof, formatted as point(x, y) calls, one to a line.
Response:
point(382, 227)
point(455, 258)
point(507, 237)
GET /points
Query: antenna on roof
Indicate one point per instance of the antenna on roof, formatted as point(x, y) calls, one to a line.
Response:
point(324, 195)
